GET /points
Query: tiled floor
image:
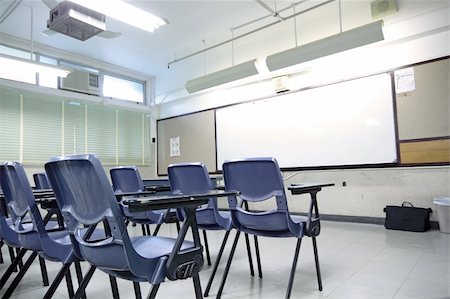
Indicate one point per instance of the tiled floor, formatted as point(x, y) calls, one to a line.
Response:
point(357, 261)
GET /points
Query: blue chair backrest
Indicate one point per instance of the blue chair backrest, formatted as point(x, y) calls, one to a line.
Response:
point(21, 201)
point(6, 233)
point(190, 178)
point(126, 179)
point(257, 179)
point(86, 197)
point(41, 181)
point(17, 190)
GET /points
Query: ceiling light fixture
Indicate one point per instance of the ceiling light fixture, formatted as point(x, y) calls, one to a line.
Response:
point(125, 13)
point(340, 42)
point(15, 65)
point(343, 41)
point(230, 74)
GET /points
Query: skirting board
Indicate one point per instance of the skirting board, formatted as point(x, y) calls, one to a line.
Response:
point(356, 219)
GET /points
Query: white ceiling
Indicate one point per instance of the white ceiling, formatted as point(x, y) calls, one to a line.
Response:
point(190, 23)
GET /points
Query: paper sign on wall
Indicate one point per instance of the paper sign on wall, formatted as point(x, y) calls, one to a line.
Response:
point(404, 80)
point(175, 146)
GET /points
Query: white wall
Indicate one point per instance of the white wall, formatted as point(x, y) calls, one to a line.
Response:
point(418, 32)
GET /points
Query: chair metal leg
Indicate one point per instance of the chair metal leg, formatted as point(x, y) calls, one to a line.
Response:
point(137, 290)
point(208, 257)
point(177, 223)
point(43, 272)
point(294, 267)
point(12, 268)
point(79, 274)
point(216, 263)
point(197, 287)
point(61, 274)
point(258, 257)
point(249, 253)
point(80, 293)
point(155, 232)
point(69, 283)
point(12, 256)
point(153, 291)
point(316, 257)
point(114, 288)
point(19, 275)
point(20, 262)
point(1, 255)
point(227, 267)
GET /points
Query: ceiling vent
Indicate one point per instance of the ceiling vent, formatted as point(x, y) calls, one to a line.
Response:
point(76, 21)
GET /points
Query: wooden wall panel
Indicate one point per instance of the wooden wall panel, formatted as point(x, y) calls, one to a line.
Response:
point(429, 151)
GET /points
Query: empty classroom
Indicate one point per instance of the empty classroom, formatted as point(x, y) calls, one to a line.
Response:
point(226, 149)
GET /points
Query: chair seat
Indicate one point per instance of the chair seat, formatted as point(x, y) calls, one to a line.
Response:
point(206, 220)
point(154, 217)
point(113, 258)
point(160, 246)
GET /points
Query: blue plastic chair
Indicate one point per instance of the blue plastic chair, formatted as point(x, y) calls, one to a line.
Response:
point(86, 198)
point(128, 179)
point(41, 180)
point(53, 245)
point(10, 238)
point(257, 180)
point(189, 178)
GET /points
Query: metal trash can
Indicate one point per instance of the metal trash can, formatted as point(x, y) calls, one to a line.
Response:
point(443, 213)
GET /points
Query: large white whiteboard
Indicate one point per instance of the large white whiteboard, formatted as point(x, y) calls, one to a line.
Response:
point(348, 123)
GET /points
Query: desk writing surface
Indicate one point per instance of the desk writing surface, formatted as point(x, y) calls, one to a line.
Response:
point(172, 201)
point(308, 187)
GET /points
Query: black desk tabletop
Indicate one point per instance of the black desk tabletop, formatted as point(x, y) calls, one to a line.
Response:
point(308, 187)
point(171, 201)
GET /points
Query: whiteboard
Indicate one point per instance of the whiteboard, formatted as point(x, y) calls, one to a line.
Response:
point(348, 123)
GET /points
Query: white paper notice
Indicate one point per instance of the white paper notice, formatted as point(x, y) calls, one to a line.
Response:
point(175, 146)
point(404, 80)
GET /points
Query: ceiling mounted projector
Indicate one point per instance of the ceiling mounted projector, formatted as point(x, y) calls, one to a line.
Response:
point(76, 21)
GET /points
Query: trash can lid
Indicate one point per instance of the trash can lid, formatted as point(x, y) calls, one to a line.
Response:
point(444, 201)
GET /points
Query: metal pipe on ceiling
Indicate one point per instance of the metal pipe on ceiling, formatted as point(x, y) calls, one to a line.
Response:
point(8, 11)
point(249, 32)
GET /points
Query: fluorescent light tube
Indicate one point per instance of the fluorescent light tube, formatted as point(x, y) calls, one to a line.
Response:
point(234, 73)
point(346, 40)
point(124, 12)
point(18, 65)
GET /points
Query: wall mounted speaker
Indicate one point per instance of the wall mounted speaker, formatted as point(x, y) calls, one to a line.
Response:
point(382, 8)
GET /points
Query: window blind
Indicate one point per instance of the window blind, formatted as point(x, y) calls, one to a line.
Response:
point(9, 125)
